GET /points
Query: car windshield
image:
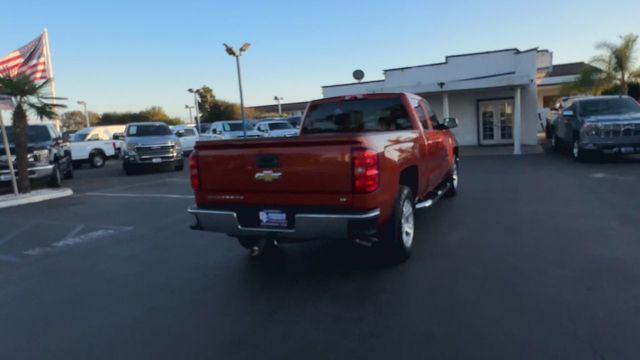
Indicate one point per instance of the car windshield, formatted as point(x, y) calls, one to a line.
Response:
point(79, 136)
point(610, 106)
point(148, 130)
point(280, 126)
point(357, 115)
point(235, 126)
point(36, 134)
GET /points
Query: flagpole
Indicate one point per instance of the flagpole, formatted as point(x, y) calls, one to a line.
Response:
point(52, 83)
point(7, 152)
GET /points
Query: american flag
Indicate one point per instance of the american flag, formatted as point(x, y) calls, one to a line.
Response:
point(30, 60)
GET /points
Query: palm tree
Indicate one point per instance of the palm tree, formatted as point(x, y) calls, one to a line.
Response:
point(618, 61)
point(28, 96)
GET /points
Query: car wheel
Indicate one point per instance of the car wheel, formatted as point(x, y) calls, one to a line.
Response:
point(398, 233)
point(56, 177)
point(454, 178)
point(97, 160)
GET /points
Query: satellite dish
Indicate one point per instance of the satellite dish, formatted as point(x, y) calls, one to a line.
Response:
point(358, 75)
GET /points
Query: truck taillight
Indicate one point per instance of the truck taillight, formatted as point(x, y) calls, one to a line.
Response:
point(193, 171)
point(365, 170)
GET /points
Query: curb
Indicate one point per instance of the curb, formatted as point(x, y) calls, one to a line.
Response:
point(33, 197)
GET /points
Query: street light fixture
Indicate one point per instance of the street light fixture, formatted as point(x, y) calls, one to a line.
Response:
point(86, 114)
point(232, 52)
point(190, 114)
point(195, 106)
point(278, 99)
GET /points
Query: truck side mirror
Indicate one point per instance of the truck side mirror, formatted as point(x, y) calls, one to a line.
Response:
point(180, 133)
point(451, 122)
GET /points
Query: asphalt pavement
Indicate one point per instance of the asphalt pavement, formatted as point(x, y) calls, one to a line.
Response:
point(538, 257)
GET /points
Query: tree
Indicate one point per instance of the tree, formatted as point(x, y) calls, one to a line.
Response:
point(154, 113)
point(212, 109)
point(28, 96)
point(618, 61)
point(75, 120)
point(589, 82)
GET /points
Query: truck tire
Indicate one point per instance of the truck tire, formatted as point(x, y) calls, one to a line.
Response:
point(453, 180)
point(69, 173)
point(398, 233)
point(55, 181)
point(578, 153)
point(97, 159)
point(179, 166)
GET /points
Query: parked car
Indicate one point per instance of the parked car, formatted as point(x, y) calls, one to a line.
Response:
point(188, 135)
point(295, 121)
point(151, 144)
point(276, 128)
point(223, 130)
point(49, 155)
point(554, 112)
point(359, 168)
point(93, 146)
point(598, 124)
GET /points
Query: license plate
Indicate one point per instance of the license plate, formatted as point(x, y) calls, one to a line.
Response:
point(5, 177)
point(156, 160)
point(627, 150)
point(273, 218)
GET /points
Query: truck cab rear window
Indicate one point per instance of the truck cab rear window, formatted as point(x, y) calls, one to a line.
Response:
point(357, 116)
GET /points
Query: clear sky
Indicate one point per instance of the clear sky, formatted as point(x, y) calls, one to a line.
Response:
point(129, 55)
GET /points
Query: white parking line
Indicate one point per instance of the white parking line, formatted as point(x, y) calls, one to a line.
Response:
point(170, 196)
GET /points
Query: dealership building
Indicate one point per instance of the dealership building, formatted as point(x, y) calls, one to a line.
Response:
point(497, 96)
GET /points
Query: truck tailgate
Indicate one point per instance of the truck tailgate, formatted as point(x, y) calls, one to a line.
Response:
point(307, 164)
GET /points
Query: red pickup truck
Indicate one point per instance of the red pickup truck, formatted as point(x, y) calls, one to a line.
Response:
point(359, 168)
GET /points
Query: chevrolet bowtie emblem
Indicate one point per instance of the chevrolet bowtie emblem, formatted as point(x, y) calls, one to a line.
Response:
point(268, 176)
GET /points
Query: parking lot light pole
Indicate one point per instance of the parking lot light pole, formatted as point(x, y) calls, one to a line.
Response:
point(195, 106)
point(86, 114)
point(190, 114)
point(232, 52)
point(278, 99)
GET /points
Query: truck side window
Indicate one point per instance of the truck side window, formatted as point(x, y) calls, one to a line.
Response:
point(432, 115)
point(420, 112)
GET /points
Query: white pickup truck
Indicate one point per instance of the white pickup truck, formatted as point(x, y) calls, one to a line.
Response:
point(93, 146)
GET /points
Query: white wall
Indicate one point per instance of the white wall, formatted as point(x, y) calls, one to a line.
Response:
point(467, 79)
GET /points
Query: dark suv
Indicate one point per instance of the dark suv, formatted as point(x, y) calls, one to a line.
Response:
point(49, 155)
point(603, 124)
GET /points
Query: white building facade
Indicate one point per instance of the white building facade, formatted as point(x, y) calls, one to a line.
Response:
point(494, 94)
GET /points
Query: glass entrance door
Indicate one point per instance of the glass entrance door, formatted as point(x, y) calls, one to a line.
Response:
point(496, 122)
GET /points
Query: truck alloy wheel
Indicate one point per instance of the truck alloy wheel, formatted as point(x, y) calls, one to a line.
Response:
point(407, 223)
point(97, 160)
point(453, 180)
point(398, 233)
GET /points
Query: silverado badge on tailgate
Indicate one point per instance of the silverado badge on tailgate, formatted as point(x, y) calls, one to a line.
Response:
point(268, 176)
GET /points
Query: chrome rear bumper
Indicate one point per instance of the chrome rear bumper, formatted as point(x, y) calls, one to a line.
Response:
point(307, 225)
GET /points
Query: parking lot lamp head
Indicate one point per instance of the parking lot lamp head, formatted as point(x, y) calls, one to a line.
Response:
point(232, 52)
